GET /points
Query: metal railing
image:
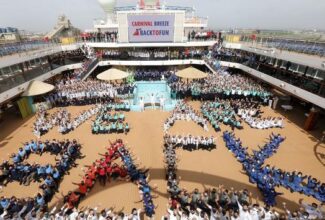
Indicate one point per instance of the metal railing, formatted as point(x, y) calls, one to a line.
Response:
point(298, 46)
point(25, 47)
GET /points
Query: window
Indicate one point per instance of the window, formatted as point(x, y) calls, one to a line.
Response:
point(279, 63)
point(293, 67)
point(15, 69)
point(284, 64)
point(301, 69)
point(6, 70)
point(320, 74)
point(32, 63)
point(311, 72)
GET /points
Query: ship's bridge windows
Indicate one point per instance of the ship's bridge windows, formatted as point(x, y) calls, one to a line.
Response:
point(293, 67)
point(6, 71)
point(301, 69)
point(320, 74)
point(311, 72)
point(283, 64)
point(15, 69)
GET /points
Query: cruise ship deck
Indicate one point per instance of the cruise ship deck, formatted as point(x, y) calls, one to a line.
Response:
point(152, 115)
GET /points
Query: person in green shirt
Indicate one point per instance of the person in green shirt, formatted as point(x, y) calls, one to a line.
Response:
point(113, 127)
point(108, 128)
point(115, 117)
point(95, 129)
point(121, 116)
point(126, 128)
point(120, 127)
point(101, 129)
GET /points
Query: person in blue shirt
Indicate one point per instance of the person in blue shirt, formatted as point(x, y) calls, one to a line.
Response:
point(40, 202)
point(41, 147)
point(309, 189)
point(50, 182)
point(4, 203)
point(48, 169)
point(56, 175)
point(34, 147)
point(22, 153)
point(16, 158)
point(27, 148)
point(40, 173)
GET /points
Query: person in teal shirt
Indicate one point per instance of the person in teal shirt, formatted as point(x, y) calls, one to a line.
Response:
point(126, 128)
point(121, 116)
point(113, 127)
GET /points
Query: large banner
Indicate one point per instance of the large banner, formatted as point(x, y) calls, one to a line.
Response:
point(151, 28)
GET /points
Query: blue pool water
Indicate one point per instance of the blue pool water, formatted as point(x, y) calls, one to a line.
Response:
point(159, 89)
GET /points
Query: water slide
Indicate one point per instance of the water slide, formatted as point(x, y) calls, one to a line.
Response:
point(54, 31)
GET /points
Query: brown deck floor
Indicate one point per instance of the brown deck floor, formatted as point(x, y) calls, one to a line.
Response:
point(300, 151)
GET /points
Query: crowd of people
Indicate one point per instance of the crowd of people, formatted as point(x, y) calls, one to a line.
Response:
point(151, 74)
point(217, 203)
point(248, 116)
point(191, 142)
point(106, 169)
point(42, 123)
point(108, 122)
point(248, 110)
point(78, 92)
point(85, 66)
point(65, 57)
point(220, 111)
point(281, 71)
point(266, 177)
point(184, 112)
point(221, 84)
point(61, 119)
point(221, 203)
point(154, 54)
point(83, 213)
point(203, 35)
point(49, 176)
point(108, 36)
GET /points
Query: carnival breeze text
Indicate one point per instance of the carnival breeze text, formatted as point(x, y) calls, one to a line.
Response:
point(150, 23)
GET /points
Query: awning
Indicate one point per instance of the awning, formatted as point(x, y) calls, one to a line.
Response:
point(191, 73)
point(112, 74)
point(37, 88)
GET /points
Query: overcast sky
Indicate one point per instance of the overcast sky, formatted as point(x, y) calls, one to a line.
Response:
point(41, 15)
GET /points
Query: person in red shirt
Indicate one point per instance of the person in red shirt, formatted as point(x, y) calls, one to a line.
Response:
point(82, 189)
point(115, 171)
point(123, 172)
point(92, 174)
point(73, 199)
point(92, 168)
point(89, 182)
point(102, 176)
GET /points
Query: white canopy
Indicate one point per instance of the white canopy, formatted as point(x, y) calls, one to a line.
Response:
point(112, 74)
point(191, 73)
point(37, 88)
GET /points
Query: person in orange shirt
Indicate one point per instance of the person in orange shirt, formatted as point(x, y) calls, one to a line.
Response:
point(82, 189)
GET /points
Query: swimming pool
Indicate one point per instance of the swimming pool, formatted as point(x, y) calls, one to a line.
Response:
point(159, 89)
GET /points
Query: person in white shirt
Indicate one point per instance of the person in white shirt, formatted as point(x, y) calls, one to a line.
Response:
point(162, 103)
point(244, 213)
point(141, 104)
point(153, 100)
